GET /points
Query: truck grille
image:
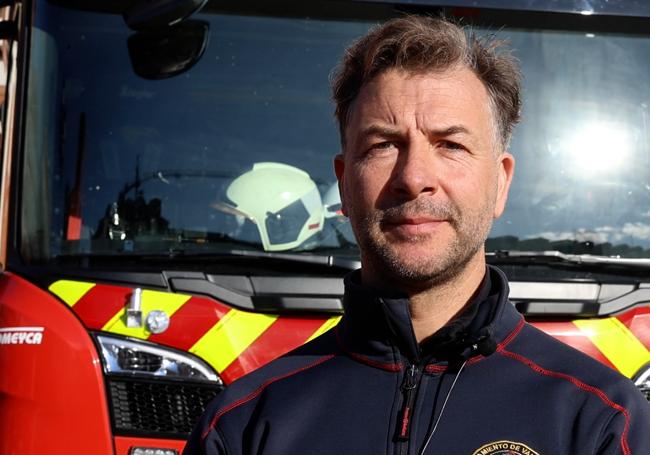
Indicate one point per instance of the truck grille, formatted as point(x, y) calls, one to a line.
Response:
point(157, 407)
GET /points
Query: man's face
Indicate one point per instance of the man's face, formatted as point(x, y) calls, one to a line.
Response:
point(422, 176)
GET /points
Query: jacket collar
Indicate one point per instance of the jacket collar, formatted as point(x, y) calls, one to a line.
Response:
point(376, 327)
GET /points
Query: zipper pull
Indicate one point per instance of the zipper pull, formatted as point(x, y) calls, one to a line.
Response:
point(409, 386)
point(409, 378)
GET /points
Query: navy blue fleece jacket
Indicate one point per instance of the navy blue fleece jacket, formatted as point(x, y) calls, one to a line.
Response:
point(367, 387)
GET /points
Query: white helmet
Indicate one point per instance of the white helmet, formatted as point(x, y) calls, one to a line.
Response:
point(332, 201)
point(334, 216)
point(281, 200)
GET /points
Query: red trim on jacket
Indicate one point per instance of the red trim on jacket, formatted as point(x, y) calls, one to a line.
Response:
point(506, 341)
point(260, 389)
point(394, 367)
point(581, 385)
point(512, 335)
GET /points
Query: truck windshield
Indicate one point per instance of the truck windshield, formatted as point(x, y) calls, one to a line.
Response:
point(236, 148)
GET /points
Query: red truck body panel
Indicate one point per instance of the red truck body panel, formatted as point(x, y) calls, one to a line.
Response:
point(52, 385)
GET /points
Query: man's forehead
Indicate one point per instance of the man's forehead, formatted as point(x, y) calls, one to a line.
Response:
point(389, 96)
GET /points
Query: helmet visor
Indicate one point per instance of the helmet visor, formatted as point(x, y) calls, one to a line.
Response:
point(284, 226)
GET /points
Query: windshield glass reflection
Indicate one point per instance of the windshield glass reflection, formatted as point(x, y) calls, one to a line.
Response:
point(127, 164)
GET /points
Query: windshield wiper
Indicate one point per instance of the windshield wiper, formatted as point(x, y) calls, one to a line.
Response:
point(306, 258)
point(557, 257)
point(219, 256)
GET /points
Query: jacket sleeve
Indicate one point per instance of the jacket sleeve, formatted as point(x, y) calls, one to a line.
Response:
point(206, 439)
point(627, 432)
point(210, 443)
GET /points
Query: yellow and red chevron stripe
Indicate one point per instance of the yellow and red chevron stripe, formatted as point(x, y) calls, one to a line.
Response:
point(619, 342)
point(233, 341)
point(236, 342)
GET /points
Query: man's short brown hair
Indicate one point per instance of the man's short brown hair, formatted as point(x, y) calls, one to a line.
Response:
point(421, 44)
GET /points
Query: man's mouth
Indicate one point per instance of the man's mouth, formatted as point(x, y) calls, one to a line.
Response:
point(410, 226)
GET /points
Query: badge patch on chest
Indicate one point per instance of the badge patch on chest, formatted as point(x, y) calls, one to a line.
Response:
point(505, 448)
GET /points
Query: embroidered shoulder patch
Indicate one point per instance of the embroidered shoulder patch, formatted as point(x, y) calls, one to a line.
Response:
point(505, 448)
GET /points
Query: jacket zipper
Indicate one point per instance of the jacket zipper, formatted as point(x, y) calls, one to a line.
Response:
point(409, 390)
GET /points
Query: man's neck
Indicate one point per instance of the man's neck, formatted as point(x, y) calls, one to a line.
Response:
point(433, 307)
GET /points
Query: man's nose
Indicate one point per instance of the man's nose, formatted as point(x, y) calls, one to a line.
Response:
point(416, 170)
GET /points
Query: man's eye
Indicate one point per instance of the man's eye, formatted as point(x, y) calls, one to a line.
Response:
point(449, 145)
point(381, 146)
point(380, 149)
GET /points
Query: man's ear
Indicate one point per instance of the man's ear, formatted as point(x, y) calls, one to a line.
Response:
point(339, 170)
point(505, 172)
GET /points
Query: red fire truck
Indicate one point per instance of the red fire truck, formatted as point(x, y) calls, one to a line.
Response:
point(170, 220)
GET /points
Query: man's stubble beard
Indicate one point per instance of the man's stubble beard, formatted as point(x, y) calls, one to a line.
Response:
point(440, 267)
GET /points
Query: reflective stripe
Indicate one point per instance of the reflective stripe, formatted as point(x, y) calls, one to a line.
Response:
point(208, 328)
point(284, 335)
point(617, 343)
point(151, 300)
point(224, 342)
point(70, 291)
point(190, 323)
point(331, 322)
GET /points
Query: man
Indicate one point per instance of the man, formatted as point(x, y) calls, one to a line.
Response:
point(429, 357)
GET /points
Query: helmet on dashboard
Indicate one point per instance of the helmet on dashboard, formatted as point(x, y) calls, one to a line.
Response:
point(282, 201)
